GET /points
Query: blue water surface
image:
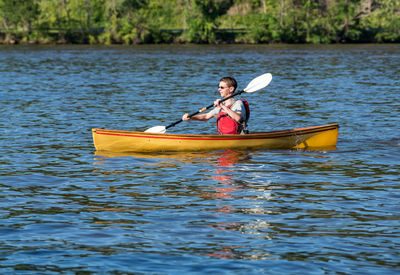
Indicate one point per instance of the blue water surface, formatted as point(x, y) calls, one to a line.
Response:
point(65, 208)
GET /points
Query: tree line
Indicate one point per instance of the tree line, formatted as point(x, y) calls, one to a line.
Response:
point(199, 21)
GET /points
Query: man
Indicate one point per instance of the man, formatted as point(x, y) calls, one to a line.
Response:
point(231, 114)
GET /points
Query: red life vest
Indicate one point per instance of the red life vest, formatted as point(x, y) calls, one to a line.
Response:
point(227, 125)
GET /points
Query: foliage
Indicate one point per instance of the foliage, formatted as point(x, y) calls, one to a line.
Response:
point(199, 21)
point(17, 17)
point(384, 21)
point(203, 25)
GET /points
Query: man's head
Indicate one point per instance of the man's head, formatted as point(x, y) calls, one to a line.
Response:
point(227, 85)
point(229, 81)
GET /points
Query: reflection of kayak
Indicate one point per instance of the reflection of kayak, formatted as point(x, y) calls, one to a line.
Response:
point(221, 158)
point(302, 138)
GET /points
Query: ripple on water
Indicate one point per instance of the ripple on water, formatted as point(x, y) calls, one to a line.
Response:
point(66, 208)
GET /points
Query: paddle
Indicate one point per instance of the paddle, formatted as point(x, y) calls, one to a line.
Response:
point(254, 85)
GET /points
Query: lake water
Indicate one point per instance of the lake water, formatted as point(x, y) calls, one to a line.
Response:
point(66, 209)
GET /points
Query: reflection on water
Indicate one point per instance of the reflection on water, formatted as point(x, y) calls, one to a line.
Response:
point(216, 190)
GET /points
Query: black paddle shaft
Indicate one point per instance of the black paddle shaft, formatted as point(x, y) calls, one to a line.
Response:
point(205, 108)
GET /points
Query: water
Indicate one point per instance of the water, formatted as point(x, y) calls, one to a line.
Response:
point(66, 209)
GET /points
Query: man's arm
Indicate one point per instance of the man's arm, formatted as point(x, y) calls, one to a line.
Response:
point(236, 115)
point(201, 117)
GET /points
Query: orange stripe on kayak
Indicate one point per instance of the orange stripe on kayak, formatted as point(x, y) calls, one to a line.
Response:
point(186, 138)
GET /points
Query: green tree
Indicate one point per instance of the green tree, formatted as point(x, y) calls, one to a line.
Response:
point(18, 15)
point(383, 20)
point(343, 18)
point(146, 21)
point(125, 21)
point(203, 25)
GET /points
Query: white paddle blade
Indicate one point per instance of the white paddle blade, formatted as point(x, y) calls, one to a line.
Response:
point(258, 83)
point(156, 130)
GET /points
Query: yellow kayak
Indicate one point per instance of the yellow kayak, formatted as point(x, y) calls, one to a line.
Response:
point(324, 136)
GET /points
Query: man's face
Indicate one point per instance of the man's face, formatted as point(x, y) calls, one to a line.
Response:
point(224, 90)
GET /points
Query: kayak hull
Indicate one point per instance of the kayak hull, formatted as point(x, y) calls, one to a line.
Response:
point(301, 138)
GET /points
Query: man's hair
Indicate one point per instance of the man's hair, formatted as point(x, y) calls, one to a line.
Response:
point(230, 81)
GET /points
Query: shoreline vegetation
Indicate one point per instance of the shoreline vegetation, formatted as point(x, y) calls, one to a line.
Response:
point(106, 22)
